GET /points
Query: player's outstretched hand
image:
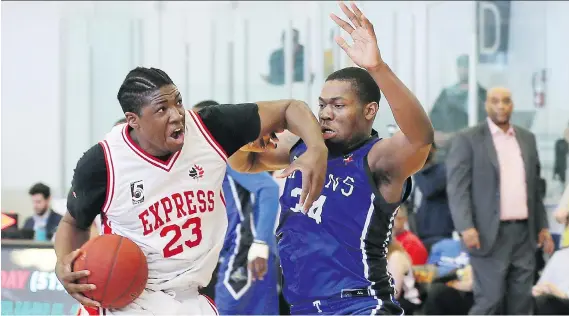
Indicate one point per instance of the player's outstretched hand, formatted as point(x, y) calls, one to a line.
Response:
point(312, 165)
point(68, 278)
point(364, 51)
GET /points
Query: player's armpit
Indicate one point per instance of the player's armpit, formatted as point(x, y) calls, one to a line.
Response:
point(397, 158)
point(268, 160)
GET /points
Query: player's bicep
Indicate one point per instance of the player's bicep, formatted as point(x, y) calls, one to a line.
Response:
point(398, 157)
point(88, 188)
point(232, 125)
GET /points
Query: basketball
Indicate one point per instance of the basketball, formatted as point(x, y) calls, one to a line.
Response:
point(118, 268)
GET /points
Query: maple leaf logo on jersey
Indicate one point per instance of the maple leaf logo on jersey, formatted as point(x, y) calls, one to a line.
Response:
point(349, 158)
point(196, 172)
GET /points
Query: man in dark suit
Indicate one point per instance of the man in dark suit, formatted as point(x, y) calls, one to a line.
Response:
point(493, 172)
point(44, 222)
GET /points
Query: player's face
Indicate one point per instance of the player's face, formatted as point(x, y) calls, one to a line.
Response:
point(342, 118)
point(161, 124)
point(40, 203)
point(499, 105)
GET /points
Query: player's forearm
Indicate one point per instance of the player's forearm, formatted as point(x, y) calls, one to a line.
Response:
point(268, 202)
point(68, 238)
point(407, 110)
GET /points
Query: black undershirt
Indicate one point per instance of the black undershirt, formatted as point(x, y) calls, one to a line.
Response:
point(232, 126)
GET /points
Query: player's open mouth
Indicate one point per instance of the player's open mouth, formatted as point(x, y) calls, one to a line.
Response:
point(328, 133)
point(178, 135)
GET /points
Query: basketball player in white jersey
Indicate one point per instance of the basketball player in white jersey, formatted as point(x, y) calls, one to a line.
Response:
point(157, 180)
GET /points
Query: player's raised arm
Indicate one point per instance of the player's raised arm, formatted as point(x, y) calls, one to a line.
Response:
point(234, 126)
point(84, 202)
point(403, 154)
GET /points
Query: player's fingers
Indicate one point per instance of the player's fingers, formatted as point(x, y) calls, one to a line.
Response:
point(261, 268)
point(350, 14)
point(80, 288)
point(75, 275)
point(305, 191)
point(342, 43)
point(68, 260)
point(274, 137)
point(251, 267)
point(85, 301)
point(368, 26)
point(288, 170)
point(341, 23)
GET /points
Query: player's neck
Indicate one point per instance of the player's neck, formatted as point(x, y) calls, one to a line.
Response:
point(343, 149)
point(146, 146)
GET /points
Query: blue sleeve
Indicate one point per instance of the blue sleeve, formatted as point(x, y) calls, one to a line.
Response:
point(266, 192)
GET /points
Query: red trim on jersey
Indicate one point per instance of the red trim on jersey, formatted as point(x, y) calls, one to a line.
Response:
point(91, 311)
point(165, 165)
point(222, 198)
point(107, 230)
point(211, 303)
point(110, 176)
point(207, 135)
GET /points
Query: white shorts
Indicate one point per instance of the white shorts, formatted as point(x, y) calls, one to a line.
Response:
point(160, 303)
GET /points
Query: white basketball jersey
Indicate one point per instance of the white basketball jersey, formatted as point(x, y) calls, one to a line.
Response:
point(173, 210)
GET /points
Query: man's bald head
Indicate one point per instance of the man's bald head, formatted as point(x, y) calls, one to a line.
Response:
point(499, 105)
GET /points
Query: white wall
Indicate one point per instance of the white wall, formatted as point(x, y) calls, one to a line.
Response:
point(31, 142)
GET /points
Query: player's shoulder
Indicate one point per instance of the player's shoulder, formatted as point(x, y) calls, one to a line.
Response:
point(223, 112)
point(92, 160)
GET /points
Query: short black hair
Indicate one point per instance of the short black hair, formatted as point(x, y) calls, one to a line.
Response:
point(121, 121)
point(40, 188)
point(365, 87)
point(205, 104)
point(138, 84)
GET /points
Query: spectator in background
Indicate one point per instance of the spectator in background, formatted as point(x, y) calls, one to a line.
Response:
point(409, 241)
point(432, 218)
point(246, 282)
point(277, 62)
point(450, 111)
point(452, 297)
point(448, 255)
point(44, 222)
point(493, 174)
point(551, 294)
point(400, 268)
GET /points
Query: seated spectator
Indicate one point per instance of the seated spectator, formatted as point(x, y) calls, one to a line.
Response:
point(400, 267)
point(410, 242)
point(448, 255)
point(433, 220)
point(44, 222)
point(551, 293)
point(452, 297)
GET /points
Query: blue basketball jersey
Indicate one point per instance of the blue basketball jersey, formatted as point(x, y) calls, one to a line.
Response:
point(341, 243)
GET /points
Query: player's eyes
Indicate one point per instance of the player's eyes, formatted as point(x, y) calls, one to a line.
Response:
point(321, 105)
point(179, 102)
point(161, 109)
point(338, 105)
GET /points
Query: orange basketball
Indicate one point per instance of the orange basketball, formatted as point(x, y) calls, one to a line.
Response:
point(118, 268)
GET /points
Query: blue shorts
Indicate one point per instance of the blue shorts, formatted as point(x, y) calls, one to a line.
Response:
point(366, 305)
point(236, 295)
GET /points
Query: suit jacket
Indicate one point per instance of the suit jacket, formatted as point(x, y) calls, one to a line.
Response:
point(473, 188)
point(51, 225)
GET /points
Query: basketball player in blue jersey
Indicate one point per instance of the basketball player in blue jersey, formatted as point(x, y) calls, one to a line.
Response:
point(334, 256)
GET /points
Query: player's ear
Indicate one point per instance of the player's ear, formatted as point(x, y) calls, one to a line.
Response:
point(370, 110)
point(132, 119)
